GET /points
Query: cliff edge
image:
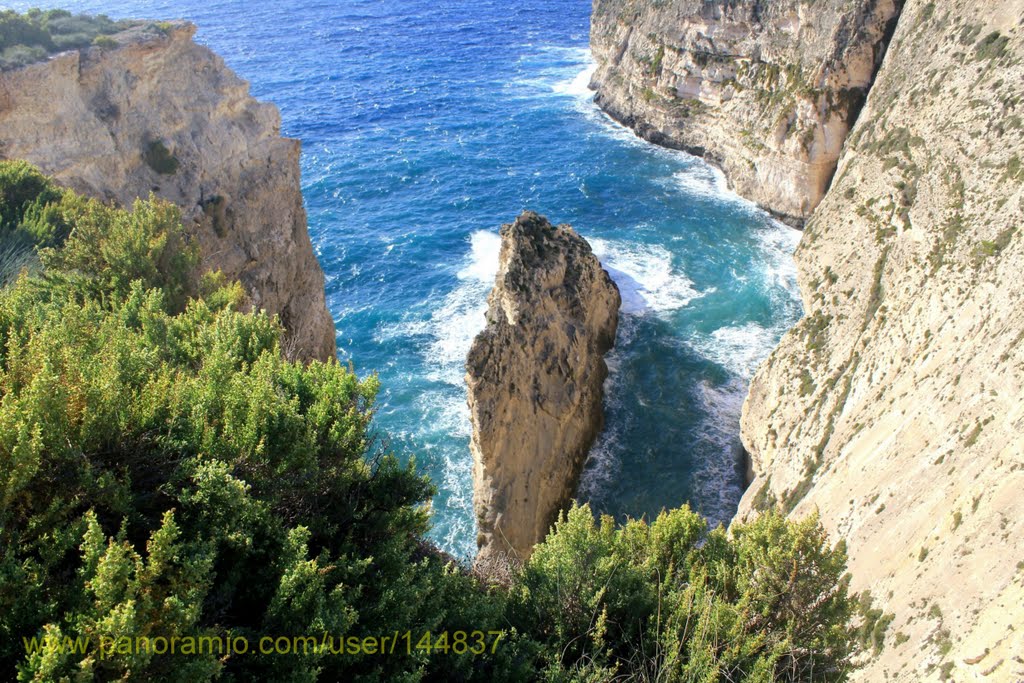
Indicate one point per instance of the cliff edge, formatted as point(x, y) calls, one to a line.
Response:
point(535, 376)
point(767, 91)
point(152, 111)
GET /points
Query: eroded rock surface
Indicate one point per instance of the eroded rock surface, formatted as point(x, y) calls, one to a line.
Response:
point(535, 377)
point(896, 407)
point(162, 114)
point(766, 90)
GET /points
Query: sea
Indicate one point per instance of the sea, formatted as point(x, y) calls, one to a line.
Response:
point(425, 125)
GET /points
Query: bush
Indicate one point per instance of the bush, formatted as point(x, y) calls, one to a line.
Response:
point(28, 217)
point(30, 37)
point(673, 601)
point(104, 42)
point(160, 159)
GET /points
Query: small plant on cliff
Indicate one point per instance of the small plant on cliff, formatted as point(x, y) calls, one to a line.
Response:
point(160, 159)
point(992, 46)
point(874, 624)
point(105, 42)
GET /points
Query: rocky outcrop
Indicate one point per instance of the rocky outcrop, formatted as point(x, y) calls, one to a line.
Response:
point(152, 111)
point(766, 90)
point(896, 407)
point(535, 376)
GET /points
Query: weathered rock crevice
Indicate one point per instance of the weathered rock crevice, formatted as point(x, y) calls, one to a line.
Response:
point(158, 113)
point(535, 376)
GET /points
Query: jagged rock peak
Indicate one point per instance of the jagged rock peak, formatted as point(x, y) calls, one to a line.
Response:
point(535, 376)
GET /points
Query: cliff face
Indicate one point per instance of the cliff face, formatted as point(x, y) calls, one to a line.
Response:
point(896, 407)
point(535, 375)
point(768, 91)
point(161, 114)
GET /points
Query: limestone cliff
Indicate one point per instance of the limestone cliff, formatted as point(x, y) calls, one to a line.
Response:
point(896, 407)
point(766, 90)
point(152, 111)
point(535, 376)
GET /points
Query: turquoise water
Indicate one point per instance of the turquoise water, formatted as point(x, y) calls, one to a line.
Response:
point(425, 125)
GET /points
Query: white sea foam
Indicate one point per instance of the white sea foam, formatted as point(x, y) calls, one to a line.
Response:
point(570, 78)
point(452, 327)
point(579, 85)
point(603, 466)
point(604, 462)
point(645, 275)
point(706, 181)
point(739, 349)
point(485, 248)
point(460, 534)
point(444, 336)
point(778, 266)
point(715, 480)
point(701, 180)
point(459, 318)
point(648, 283)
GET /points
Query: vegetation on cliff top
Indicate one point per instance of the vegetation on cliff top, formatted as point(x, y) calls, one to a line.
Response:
point(30, 37)
point(165, 472)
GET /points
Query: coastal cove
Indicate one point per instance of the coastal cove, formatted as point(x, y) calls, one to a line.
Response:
point(427, 125)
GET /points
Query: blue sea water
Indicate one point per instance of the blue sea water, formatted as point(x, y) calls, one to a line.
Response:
point(428, 123)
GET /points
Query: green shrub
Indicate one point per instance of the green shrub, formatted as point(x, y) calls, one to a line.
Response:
point(874, 624)
point(141, 415)
point(992, 46)
point(672, 601)
point(29, 217)
point(160, 159)
point(105, 42)
point(30, 37)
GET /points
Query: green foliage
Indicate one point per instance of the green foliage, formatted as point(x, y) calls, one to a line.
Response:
point(656, 62)
point(30, 37)
point(815, 329)
point(969, 33)
point(166, 472)
point(105, 42)
point(142, 415)
point(926, 13)
point(992, 46)
point(806, 383)
point(874, 624)
point(29, 217)
point(1014, 169)
point(672, 601)
point(160, 159)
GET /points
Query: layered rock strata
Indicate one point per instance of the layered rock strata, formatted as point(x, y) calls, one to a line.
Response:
point(154, 112)
point(768, 91)
point(535, 376)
